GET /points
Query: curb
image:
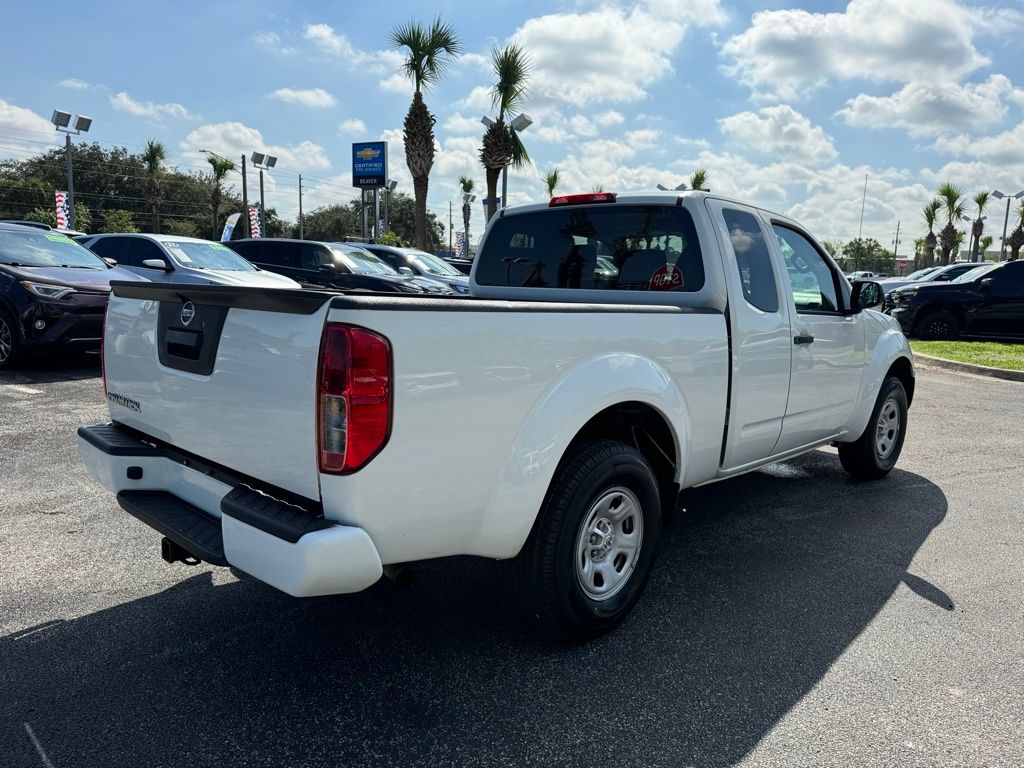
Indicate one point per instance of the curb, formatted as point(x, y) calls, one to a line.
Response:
point(980, 370)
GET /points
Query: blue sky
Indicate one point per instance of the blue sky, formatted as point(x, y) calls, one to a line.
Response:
point(786, 103)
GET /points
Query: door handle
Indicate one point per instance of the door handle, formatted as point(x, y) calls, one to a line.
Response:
point(806, 339)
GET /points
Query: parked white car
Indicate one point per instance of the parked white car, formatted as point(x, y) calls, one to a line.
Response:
point(929, 275)
point(315, 441)
point(173, 259)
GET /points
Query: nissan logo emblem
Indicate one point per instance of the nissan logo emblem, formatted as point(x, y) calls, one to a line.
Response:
point(188, 312)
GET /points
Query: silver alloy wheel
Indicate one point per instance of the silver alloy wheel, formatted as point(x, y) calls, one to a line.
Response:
point(6, 342)
point(608, 543)
point(887, 431)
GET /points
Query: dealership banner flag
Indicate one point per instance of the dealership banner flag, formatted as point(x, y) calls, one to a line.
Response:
point(63, 210)
point(255, 230)
point(460, 246)
point(229, 226)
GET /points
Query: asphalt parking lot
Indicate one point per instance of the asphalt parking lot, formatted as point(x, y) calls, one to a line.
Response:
point(794, 619)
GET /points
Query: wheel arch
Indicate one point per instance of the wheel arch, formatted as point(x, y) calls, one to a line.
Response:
point(957, 310)
point(627, 397)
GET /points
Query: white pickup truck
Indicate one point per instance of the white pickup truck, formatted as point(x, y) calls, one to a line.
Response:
point(615, 350)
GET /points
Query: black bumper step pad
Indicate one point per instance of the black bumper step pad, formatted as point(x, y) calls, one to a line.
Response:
point(186, 525)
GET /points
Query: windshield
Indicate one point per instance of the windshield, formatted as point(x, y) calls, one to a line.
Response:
point(362, 261)
point(433, 265)
point(45, 249)
point(973, 274)
point(921, 274)
point(201, 255)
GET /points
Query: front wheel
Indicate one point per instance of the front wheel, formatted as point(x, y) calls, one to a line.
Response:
point(9, 342)
point(592, 547)
point(876, 451)
point(938, 325)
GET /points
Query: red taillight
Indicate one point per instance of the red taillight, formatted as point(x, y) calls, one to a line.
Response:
point(589, 197)
point(353, 397)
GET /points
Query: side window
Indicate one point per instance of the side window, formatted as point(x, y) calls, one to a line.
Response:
point(957, 271)
point(112, 248)
point(311, 256)
point(278, 254)
point(1010, 277)
point(812, 280)
point(142, 249)
point(753, 260)
point(250, 250)
point(387, 257)
point(599, 247)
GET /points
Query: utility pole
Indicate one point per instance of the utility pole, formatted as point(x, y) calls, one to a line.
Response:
point(71, 182)
point(245, 203)
point(449, 226)
point(301, 237)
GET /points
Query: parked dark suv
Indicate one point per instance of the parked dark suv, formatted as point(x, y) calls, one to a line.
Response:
point(330, 265)
point(52, 292)
point(420, 263)
point(987, 301)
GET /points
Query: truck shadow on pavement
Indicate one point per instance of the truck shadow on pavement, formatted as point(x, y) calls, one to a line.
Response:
point(761, 585)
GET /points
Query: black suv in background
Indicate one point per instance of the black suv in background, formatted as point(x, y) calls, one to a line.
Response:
point(420, 263)
point(987, 301)
point(52, 292)
point(330, 265)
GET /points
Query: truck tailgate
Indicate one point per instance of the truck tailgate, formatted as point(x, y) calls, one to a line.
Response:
point(227, 374)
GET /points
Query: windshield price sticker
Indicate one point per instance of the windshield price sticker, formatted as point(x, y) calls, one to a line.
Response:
point(60, 238)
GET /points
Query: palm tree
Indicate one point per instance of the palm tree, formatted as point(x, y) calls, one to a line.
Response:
point(551, 180)
point(153, 155)
point(931, 211)
point(978, 227)
point(698, 180)
point(950, 196)
point(221, 166)
point(466, 185)
point(501, 145)
point(429, 51)
point(1015, 240)
point(986, 243)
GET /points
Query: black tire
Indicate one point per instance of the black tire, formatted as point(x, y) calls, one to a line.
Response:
point(865, 459)
point(938, 325)
point(546, 579)
point(10, 342)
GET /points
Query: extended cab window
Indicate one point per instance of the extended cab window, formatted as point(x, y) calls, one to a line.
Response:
point(601, 247)
point(753, 260)
point(812, 280)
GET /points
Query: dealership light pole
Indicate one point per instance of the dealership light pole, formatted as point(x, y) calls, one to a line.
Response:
point(388, 189)
point(264, 163)
point(1006, 220)
point(62, 122)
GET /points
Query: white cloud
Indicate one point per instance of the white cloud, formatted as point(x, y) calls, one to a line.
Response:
point(601, 56)
point(610, 117)
point(460, 123)
point(928, 109)
point(237, 139)
point(19, 123)
point(787, 52)
point(1002, 150)
point(76, 84)
point(317, 98)
point(396, 83)
point(353, 126)
point(781, 133)
point(123, 102)
point(338, 45)
point(271, 41)
point(642, 138)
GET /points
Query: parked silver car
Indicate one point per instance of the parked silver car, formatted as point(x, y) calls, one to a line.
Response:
point(928, 275)
point(173, 259)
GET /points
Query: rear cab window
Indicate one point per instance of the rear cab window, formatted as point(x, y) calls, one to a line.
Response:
point(608, 247)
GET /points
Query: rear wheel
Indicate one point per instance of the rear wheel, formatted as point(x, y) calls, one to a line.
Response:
point(592, 547)
point(10, 345)
point(876, 451)
point(938, 325)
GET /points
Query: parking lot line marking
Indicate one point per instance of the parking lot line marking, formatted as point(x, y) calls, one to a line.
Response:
point(23, 390)
point(38, 746)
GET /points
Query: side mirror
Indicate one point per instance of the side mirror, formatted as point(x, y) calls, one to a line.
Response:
point(945, 277)
point(866, 295)
point(157, 264)
point(109, 261)
point(986, 283)
point(331, 268)
point(406, 271)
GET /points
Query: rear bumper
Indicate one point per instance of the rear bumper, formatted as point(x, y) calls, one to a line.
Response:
point(223, 521)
